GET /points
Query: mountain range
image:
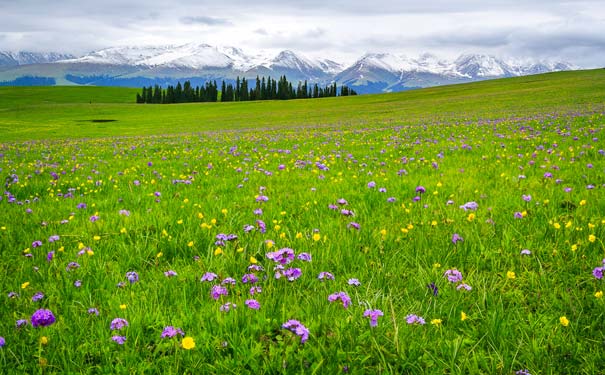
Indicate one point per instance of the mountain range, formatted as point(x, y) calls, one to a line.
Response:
point(138, 66)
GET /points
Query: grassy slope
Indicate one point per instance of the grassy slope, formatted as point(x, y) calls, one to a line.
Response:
point(62, 112)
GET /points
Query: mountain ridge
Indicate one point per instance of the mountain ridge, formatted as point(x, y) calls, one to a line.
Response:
point(372, 72)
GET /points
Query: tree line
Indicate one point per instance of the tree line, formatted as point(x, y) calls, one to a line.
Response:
point(243, 90)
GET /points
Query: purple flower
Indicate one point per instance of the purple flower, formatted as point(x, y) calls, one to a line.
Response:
point(218, 291)
point(124, 212)
point(470, 206)
point(261, 226)
point(433, 287)
point(525, 252)
point(353, 282)
point(414, 319)
point(228, 280)
point(81, 205)
point(598, 272)
point(37, 296)
point(53, 238)
point(121, 284)
point(382, 190)
point(354, 225)
point(464, 286)
point(248, 228)
point(518, 215)
point(253, 304)
point(526, 198)
point(119, 339)
point(36, 243)
point(291, 274)
point(94, 218)
point(262, 198)
point(228, 306)
point(523, 372)
point(21, 323)
point(547, 175)
point(281, 256)
point(13, 295)
point(2, 342)
point(346, 212)
point(371, 184)
point(453, 275)
point(249, 278)
point(170, 273)
point(258, 211)
point(373, 315)
point(342, 296)
point(325, 276)
point(42, 318)
point(94, 311)
point(50, 256)
point(456, 238)
point(255, 290)
point(342, 201)
point(305, 257)
point(420, 189)
point(297, 328)
point(118, 324)
point(171, 331)
point(132, 276)
point(208, 276)
point(255, 268)
point(391, 199)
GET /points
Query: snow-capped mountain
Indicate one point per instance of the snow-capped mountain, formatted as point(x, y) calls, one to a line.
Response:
point(26, 58)
point(147, 65)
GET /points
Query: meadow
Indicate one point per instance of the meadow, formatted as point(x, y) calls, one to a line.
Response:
point(452, 230)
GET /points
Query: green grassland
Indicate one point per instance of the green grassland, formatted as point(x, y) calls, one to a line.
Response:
point(451, 230)
point(59, 112)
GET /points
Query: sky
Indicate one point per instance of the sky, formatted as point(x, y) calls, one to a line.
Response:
point(342, 30)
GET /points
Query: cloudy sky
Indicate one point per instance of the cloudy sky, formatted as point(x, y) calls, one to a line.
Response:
point(342, 29)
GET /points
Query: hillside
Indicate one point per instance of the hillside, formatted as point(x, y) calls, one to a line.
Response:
point(67, 112)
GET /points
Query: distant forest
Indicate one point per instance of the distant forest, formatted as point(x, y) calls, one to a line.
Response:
point(263, 89)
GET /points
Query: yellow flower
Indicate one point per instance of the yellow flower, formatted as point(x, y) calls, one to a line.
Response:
point(185, 200)
point(574, 247)
point(564, 321)
point(583, 202)
point(471, 217)
point(224, 211)
point(436, 265)
point(218, 251)
point(200, 215)
point(592, 238)
point(188, 343)
point(277, 228)
point(383, 232)
point(299, 235)
point(123, 230)
point(123, 307)
point(159, 255)
point(316, 237)
point(282, 235)
point(190, 244)
point(511, 275)
point(213, 221)
point(436, 322)
point(180, 221)
point(463, 316)
point(253, 260)
point(557, 225)
point(90, 252)
point(81, 246)
point(61, 249)
point(599, 294)
point(43, 340)
point(96, 238)
point(25, 285)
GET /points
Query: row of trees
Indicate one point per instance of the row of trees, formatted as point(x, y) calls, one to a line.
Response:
point(263, 89)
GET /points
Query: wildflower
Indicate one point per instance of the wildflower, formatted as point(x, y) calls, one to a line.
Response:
point(281, 256)
point(253, 304)
point(523, 372)
point(119, 339)
point(464, 286)
point(414, 319)
point(325, 276)
point(123, 306)
point(25, 285)
point(373, 315)
point(353, 282)
point(228, 306)
point(371, 184)
point(526, 198)
point(511, 275)
point(228, 280)
point(94, 218)
point(37, 296)
point(72, 266)
point(463, 316)
point(420, 190)
point(592, 238)
point(218, 291)
point(598, 272)
point(456, 238)
point(2, 342)
point(208, 276)
point(518, 215)
point(453, 275)
point(53, 238)
point(117, 324)
point(564, 321)
point(132, 276)
point(525, 252)
point(36, 244)
point(316, 237)
point(42, 318)
point(354, 225)
point(255, 290)
point(436, 322)
point(306, 257)
point(170, 273)
point(297, 328)
point(92, 311)
point(21, 323)
point(473, 206)
point(13, 295)
point(342, 296)
point(50, 256)
point(170, 331)
point(291, 274)
point(249, 278)
point(599, 294)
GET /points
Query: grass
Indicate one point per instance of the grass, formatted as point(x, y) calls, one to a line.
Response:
point(371, 188)
point(60, 112)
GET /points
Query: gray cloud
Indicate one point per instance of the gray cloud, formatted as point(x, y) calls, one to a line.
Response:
point(205, 20)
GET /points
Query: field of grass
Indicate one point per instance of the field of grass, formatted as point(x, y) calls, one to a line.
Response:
point(60, 112)
point(454, 230)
